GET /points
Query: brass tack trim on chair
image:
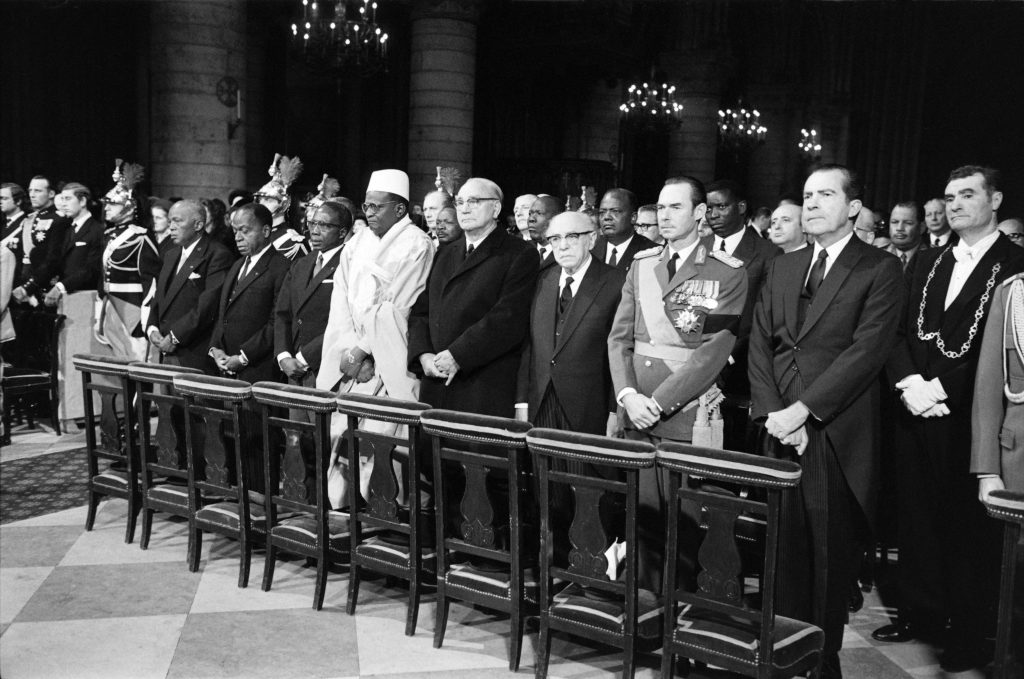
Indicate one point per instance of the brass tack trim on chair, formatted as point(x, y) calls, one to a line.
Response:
point(291, 396)
point(212, 387)
point(157, 373)
point(729, 465)
point(468, 427)
point(101, 365)
point(592, 448)
point(381, 409)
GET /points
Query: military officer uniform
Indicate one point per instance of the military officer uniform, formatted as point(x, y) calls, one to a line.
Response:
point(671, 337)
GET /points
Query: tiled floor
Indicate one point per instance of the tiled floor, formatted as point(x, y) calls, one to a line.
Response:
point(77, 604)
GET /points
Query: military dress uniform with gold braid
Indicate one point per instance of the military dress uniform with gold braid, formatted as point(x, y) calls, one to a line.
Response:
point(670, 339)
point(130, 265)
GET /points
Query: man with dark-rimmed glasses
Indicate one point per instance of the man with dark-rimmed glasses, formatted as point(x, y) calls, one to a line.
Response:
point(467, 328)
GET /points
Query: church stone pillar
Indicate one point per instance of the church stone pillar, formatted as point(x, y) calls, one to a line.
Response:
point(694, 144)
point(770, 167)
point(193, 46)
point(442, 85)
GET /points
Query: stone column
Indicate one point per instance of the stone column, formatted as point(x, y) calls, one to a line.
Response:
point(694, 144)
point(193, 46)
point(769, 169)
point(442, 84)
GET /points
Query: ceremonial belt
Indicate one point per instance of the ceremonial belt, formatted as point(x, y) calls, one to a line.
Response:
point(665, 352)
point(123, 287)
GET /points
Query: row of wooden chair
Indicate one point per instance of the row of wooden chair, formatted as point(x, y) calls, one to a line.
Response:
point(489, 537)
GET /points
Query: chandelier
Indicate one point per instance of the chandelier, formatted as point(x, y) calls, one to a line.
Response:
point(335, 35)
point(739, 127)
point(809, 145)
point(652, 105)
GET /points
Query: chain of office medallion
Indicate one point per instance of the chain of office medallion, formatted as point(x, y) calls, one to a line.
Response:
point(978, 314)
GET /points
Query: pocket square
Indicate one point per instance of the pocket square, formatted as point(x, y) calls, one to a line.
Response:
point(79, 243)
point(327, 281)
point(194, 276)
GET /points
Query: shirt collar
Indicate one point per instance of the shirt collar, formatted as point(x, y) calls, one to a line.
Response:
point(80, 219)
point(255, 258)
point(730, 241)
point(621, 247)
point(578, 276)
point(328, 254)
point(684, 253)
point(187, 250)
point(13, 217)
point(834, 249)
point(962, 252)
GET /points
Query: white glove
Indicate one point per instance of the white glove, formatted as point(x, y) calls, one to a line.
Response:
point(919, 395)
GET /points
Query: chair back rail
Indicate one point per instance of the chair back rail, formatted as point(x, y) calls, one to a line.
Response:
point(1008, 506)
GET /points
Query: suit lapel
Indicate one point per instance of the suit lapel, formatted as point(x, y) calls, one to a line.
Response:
point(258, 269)
point(834, 280)
point(745, 249)
point(600, 251)
point(476, 258)
point(581, 303)
point(330, 266)
point(190, 266)
point(792, 287)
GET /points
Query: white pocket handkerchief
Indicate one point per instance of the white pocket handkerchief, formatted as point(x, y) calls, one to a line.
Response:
point(194, 276)
point(79, 243)
point(327, 281)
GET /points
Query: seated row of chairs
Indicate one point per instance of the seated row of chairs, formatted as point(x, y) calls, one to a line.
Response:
point(483, 540)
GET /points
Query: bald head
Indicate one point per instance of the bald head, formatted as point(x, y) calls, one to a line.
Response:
point(1014, 230)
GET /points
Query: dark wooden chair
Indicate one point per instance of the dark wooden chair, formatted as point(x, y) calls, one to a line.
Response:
point(163, 463)
point(117, 441)
point(299, 518)
point(492, 536)
point(31, 367)
point(402, 545)
point(717, 624)
point(1008, 506)
point(590, 604)
point(218, 483)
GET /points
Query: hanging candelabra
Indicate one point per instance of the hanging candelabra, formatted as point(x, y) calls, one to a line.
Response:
point(338, 35)
point(739, 127)
point(809, 144)
point(652, 105)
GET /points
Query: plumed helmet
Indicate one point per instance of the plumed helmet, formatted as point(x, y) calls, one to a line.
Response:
point(283, 173)
point(126, 177)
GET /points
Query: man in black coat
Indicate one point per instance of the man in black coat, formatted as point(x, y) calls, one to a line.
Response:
point(242, 344)
point(564, 381)
point(541, 213)
point(727, 210)
point(184, 309)
point(619, 242)
point(823, 325)
point(80, 253)
point(467, 328)
point(43, 235)
point(949, 563)
point(304, 302)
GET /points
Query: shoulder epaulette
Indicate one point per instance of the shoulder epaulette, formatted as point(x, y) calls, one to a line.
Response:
point(649, 252)
point(1013, 278)
point(727, 259)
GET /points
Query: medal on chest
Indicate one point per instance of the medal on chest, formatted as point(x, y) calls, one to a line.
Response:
point(690, 303)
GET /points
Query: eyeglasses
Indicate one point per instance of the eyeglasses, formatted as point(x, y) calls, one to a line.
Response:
point(472, 202)
point(376, 207)
point(321, 226)
point(646, 226)
point(1015, 236)
point(570, 238)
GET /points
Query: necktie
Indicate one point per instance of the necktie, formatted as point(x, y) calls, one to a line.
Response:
point(817, 273)
point(903, 259)
point(469, 250)
point(245, 269)
point(613, 259)
point(935, 242)
point(565, 299)
point(672, 265)
point(723, 246)
point(319, 264)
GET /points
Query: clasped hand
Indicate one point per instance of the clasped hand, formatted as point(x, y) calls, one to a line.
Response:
point(441, 365)
point(643, 411)
point(923, 398)
point(788, 425)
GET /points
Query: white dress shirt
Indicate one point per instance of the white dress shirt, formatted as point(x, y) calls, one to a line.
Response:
point(619, 251)
point(967, 259)
point(577, 277)
point(731, 242)
point(943, 239)
point(186, 252)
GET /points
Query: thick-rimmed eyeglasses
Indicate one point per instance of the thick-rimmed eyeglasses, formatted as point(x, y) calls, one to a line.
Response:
point(570, 238)
point(376, 207)
point(321, 226)
point(472, 202)
point(1014, 236)
point(644, 227)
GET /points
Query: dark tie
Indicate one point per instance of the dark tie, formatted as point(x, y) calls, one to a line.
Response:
point(319, 264)
point(672, 265)
point(935, 242)
point(469, 250)
point(903, 259)
point(565, 299)
point(817, 273)
point(245, 269)
point(613, 260)
point(723, 246)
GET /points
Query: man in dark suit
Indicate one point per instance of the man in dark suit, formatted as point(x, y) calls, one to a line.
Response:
point(43, 234)
point(619, 241)
point(949, 565)
point(727, 210)
point(823, 326)
point(242, 344)
point(81, 251)
point(304, 301)
point(542, 211)
point(184, 309)
point(468, 326)
point(564, 381)
point(937, 233)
